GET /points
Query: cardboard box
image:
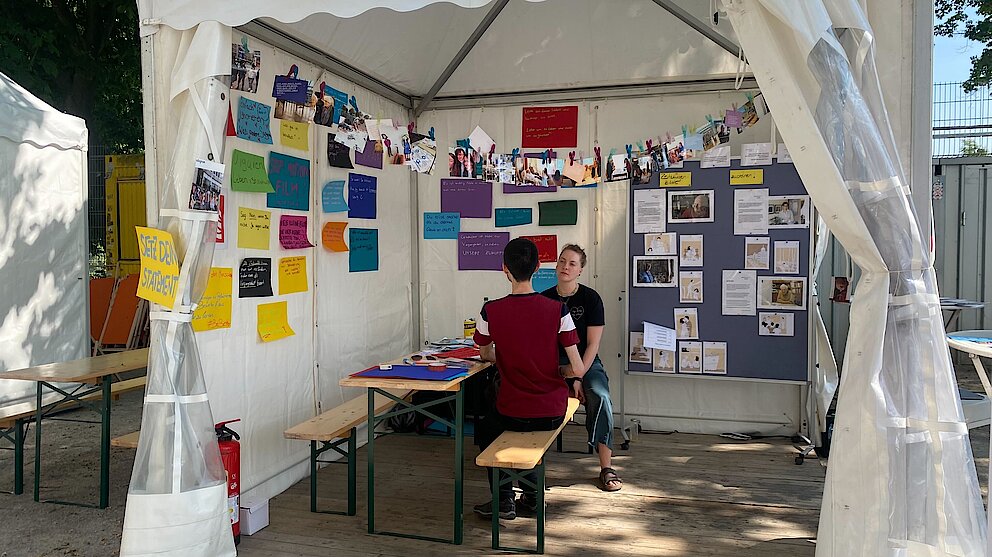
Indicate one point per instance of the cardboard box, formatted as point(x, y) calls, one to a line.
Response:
point(254, 515)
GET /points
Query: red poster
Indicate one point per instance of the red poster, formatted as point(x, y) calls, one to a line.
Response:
point(546, 127)
point(547, 247)
point(220, 220)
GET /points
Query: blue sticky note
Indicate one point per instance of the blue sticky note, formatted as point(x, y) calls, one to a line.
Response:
point(544, 279)
point(332, 197)
point(340, 101)
point(514, 216)
point(253, 121)
point(363, 249)
point(442, 226)
point(290, 178)
point(361, 196)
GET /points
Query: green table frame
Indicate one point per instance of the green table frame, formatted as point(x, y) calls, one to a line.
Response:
point(512, 475)
point(15, 435)
point(349, 455)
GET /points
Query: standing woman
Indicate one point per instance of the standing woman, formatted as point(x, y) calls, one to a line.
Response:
point(593, 388)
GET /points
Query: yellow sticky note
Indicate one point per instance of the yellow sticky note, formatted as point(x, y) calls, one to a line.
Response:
point(253, 228)
point(674, 179)
point(214, 310)
point(273, 322)
point(332, 236)
point(293, 274)
point(294, 134)
point(747, 177)
point(159, 266)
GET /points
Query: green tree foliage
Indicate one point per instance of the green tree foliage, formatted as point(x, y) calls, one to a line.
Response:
point(970, 148)
point(83, 58)
point(974, 18)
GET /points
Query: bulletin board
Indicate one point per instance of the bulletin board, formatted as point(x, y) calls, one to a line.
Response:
point(749, 356)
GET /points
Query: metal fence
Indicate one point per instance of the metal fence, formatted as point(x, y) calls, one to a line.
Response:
point(97, 207)
point(960, 118)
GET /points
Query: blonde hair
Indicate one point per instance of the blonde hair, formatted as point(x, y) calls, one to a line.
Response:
point(578, 250)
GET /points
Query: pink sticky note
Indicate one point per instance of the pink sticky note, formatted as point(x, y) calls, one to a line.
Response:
point(293, 232)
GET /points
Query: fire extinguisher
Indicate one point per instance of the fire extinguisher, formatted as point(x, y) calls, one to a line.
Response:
point(230, 455)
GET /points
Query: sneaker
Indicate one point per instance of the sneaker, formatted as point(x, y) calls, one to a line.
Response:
point(527, 504)
point(507, 510)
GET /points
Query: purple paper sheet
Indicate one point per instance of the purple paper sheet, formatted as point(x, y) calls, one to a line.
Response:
point(481, 251)
point(472, 199)
point(369, 157)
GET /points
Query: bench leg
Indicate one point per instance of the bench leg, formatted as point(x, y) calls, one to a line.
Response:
point(495, 508)
point(313, 476)
point(105, 445)
point(349, 455)
point(540, 507)
point(558, 441)
point(18, 457)
point(352, 475)
point(37, 445)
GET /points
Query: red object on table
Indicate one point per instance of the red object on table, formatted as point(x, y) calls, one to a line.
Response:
point(550, 126)
point(462, 353)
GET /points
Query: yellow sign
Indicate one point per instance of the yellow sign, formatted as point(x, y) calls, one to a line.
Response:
point(747, 177)
point(273, 322)
point(293, 274)
point(332, 236)
point(674, 179)
point(159, 266)
point(294, 134)
point(214, 310)
point(253, 228)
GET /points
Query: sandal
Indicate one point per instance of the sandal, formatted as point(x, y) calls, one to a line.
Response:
point(610, 480)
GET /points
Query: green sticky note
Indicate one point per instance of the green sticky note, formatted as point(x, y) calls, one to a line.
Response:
point(555, 213)
point(248, 173)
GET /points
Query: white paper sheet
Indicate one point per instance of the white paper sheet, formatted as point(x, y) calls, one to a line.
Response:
point(787, 257)
point(715, 357)
point(739, 292)
point(656, 336)
point(717, 157)
point(756, 252)
point(751, 212)
point(756, 154)
point(783, 154)
point(649, 211)
point(480, 141)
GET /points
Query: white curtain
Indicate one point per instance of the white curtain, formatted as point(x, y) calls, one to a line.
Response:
point(825, 378)
point(177, 501)
point(901, 479)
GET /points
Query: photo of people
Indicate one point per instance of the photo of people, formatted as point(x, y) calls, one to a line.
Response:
point(245, 65)
point(756, 252)
point(691, 250)
point(396, 146)
point(788, 211)
point(579, 173)
point(787, 257)
point(771, 324)
point(642, 167)
point(660, 244)
point(781, 293)
point(323, 111)
point(841, 286)
point(686, 323)
point(655, 271)
point(693, 206)
point(675, 151)
point(638, 353)
point(533, 171)
point(499, 168)
point(460, 162)
point(690, 287)
point(663, 361)
point(207, 180)
point(715, 134)
point(715, 357)
point(618, 167)
point(352, 130)
point(690, 357)
point(288, 110)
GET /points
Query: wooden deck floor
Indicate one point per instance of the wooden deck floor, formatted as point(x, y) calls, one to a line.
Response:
point(683, 495)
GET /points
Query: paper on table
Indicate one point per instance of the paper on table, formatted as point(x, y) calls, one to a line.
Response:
point(755, 154)
point(750, 212)
point(717, 157)
point(656, 336)
point(649, 211)
point(739, 292)
point(273, 321)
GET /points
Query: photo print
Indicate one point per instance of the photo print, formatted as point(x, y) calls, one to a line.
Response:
point(691, 250)
point(498, 168)
point(245, 65)
point(396, 146)
point(660, 244)
point(663, 361)
point(656, 271)
point(423, 153)
point(691, 206)
point(618, 168)
point(352, 130)
point(582, 173)
point(533, 171)
point(841, 290)
point(776, 324)
point(787, 257)
point(782, 293)
point(302, 111)
point(686, 323)
point(690, 357)
point(715, 357)
point(638, 353)
point(756, 252)
point(675, 152)
point(460, 162)
point(337, 153)
point(690, 287)
point(641, 168)
point(714, 134)
point(207, 180)
point(788, 211)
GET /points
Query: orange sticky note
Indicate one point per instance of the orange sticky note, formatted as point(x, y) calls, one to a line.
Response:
point(332, 236)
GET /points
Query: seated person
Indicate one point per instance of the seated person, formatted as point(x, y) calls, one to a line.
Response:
point(532, 395)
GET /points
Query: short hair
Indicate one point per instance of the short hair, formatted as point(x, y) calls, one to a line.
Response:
point(576, 249)
point(521, 259)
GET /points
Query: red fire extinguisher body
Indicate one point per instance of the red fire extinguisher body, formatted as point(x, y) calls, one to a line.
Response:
point(230, 454)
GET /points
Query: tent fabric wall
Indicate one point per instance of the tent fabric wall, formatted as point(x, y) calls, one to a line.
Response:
point(43, 251)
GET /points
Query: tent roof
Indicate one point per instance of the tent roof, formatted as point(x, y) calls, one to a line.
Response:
point(26, 118)
point(532, 45)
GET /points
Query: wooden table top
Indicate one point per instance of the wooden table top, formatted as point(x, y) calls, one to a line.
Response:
point(85, 370)
point(412, 384)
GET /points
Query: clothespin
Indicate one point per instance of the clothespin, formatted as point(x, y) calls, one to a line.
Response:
point(492, 150)
point(430, 133)
point(709, 119)
point(749, 96)
point(630, 149)
point(544, 157)
point(571, 158)
point(640, 146)
point(685, 130)
point(409, 128)
point(613, 152)
point(668, 137)
point(320, 90)
point(649, 143)
point(354, 103)
point(294, 71)
point(550, 154)
point(515, 153)
point(599, 154)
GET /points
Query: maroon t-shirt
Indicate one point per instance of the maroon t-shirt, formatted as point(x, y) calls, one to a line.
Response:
point(527, 330)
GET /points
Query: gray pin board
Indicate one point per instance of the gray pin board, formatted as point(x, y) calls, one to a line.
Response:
point(749, 356)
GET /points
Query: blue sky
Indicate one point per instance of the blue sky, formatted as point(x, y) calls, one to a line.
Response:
point(952, 58)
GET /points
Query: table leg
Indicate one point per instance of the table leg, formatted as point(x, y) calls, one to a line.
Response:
point(352, 465)
point(18, 457)
point(105, 444)
point(459, 462)
point(371, 457)
point(37, 446)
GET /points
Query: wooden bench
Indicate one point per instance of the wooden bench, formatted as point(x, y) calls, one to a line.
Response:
point(333, 428)
point(515, 450)
point(15, 418)
point(129, 441)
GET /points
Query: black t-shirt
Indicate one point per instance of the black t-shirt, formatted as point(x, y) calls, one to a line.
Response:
point(587, 310)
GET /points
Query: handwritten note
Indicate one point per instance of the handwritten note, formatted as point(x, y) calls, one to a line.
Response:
point(286, 88)
point(481, 251)
point(469, 198)
point(214, 309)
point(544, 279)
point(547, 247)
point(550, 126)
point(674, 179)
point(290, 177)
point(332, 236)
point(361, 196)
point(332, 197)
point(295, 135)
point(248, 173)
point(253, 228)
point(253, 121)
point(364, 253)
point(292, 274)
point(441, 226)
point(159, 266)
point(273, 321)
point(293, 232)
point(255, 277)
point(514, 216)
point(747, 177)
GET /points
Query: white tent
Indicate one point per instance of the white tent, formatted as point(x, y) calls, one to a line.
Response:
point(635, 68)
point(43, 251)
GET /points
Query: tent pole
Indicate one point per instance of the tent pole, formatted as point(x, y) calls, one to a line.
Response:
point(462, 53)
point(704, 29)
